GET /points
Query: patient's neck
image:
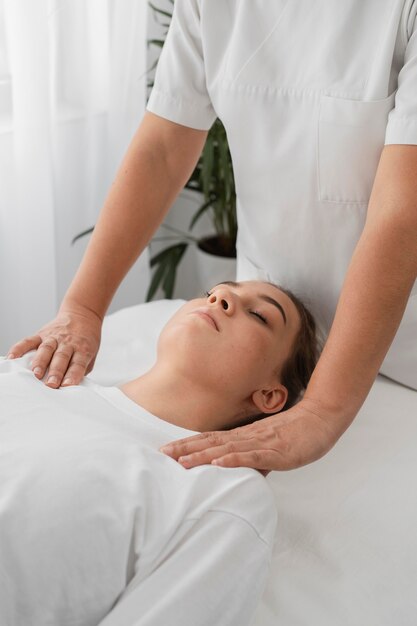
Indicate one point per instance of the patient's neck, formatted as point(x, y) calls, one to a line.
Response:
point(181, 400)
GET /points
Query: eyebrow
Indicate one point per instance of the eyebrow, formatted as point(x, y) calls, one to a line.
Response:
point(262, 296)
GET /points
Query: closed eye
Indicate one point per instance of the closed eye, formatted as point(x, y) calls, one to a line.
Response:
point(256, 313)
point(260, 316)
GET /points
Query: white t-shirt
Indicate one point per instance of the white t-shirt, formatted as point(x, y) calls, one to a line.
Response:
point(96, 522)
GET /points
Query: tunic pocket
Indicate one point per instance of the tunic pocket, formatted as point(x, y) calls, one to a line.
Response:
point(351, 136)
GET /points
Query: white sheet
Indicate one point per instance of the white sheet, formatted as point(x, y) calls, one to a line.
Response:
point(346, 544)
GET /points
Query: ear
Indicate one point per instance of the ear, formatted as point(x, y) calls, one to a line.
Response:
point(270, 400)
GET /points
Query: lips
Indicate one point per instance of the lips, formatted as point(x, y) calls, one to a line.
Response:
point(208, 316)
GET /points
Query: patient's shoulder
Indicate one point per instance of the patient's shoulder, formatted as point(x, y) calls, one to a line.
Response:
point(242, 492)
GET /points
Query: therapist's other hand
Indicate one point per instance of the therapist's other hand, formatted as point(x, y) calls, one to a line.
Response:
point(68, 345)
point(282, 441)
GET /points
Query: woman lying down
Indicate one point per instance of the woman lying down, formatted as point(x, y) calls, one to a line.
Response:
point(97, 525)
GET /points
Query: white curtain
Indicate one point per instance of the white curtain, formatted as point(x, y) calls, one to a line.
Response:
point(72, 93)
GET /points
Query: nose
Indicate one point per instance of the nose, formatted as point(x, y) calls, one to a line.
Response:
point(224, 298)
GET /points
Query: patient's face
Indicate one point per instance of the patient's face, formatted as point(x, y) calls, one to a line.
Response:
point(243, 344)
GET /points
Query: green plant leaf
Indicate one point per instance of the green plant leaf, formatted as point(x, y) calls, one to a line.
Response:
point(163, 254)
point(187, 236)
point(156, 279)
point(224, 161)
point(156, 42)
point(160, 11)
point(85, 232)
point(171, 273)
point(200, 212)
point(165, 273)
point(207, 165)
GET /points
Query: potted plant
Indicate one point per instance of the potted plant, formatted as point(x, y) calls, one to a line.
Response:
point(213, 183)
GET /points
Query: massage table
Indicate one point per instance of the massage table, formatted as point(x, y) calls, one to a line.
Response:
point(346, 544)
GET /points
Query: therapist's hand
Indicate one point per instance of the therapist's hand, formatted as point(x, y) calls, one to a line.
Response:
point(68, 345)
point(282, 441)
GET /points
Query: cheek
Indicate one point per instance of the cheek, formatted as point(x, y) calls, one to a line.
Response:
point(255, 344)
point(249, 357)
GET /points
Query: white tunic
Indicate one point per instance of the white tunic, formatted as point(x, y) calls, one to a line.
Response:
point(96, 522)
point(309, 93)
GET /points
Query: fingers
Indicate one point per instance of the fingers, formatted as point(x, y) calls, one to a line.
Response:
point(66, 367)
point(256, 459)
point(65, 348)
point(231, 448)
point(59, 366)
point(190, 445)
point(261, 460)
point(256, 446)
point(43, 356)
point(26, 345)
point(77, 370)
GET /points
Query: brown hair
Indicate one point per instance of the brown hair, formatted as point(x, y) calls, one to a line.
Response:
point(299, 366)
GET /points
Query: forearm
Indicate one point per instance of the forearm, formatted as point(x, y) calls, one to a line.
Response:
point(378, 282)
point(156, 167)
point(373, 299)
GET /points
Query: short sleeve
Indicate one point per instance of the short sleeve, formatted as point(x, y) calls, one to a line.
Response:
point(402, 120)
point(180, 92)
point(215, 575)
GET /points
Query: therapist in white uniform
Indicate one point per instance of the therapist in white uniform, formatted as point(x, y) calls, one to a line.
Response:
point(319, 101)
